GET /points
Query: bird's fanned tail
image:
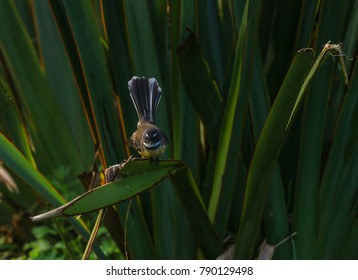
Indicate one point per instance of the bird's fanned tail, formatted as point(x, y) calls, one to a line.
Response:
point(146, 95)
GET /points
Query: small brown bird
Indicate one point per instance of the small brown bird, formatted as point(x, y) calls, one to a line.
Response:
point(149, 140)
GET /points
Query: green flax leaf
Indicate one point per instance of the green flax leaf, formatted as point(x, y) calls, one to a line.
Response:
point(133, 178)
point(266, 155)
point(23, 168)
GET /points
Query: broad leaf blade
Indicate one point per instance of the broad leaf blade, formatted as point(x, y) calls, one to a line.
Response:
point(134, 177)
point(11, 119)
point(193, 205)
point(23, 168)
point(83, 24)
point(275, 216)
point(203, 90)
point(30, 82)
point(313, 138)
point(62, 82)
point(13, 158)
point(266, 155)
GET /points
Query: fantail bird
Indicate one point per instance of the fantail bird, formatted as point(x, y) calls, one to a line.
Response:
point(149, 140)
